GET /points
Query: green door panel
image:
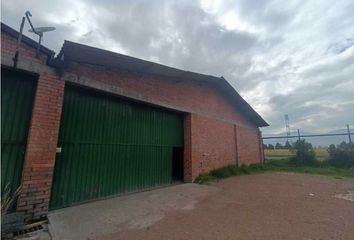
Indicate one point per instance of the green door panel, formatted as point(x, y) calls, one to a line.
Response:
point(17, 96)
point(110, 146)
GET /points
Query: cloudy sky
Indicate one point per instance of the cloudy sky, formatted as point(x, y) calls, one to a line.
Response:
point(284, 57)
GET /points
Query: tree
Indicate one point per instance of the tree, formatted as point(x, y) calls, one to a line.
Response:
point(304, 154)
point(265, 146)
point(331, 148)
point(287, 144)
point(270, 146)
point(341, 156)
point(278, 146)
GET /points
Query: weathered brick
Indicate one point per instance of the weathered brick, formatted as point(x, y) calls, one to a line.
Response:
point(41, 145)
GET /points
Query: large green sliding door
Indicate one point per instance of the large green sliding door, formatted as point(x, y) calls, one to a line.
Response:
point(17, 95)
point(110, 146)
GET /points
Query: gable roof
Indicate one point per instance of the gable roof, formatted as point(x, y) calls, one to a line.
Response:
point(80, 53)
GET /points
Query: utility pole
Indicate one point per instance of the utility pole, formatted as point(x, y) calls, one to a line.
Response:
point(298, 134)
point(350, 138)
point(287, 126)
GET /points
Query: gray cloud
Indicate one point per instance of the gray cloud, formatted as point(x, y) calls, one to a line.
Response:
point(285, 57)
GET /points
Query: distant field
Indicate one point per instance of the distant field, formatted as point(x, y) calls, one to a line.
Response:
point(275, 154)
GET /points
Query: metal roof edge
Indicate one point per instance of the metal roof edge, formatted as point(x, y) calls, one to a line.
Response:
point(254, 115)
point(68, 43)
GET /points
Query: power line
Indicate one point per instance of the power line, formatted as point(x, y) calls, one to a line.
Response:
point(311, 135)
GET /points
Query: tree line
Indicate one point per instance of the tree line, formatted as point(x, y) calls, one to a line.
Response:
point(278, 145)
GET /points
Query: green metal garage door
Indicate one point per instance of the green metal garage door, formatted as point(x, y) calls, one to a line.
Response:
point(109, 146)
point(17, 94)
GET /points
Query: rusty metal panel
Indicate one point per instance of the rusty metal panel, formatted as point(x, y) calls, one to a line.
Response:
point(110, 145)
point(17, 96)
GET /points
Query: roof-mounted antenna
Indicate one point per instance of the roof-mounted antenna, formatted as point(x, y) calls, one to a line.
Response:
point(39, 31)
point(19, 39)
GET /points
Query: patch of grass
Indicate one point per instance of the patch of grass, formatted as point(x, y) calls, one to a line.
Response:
point(205, 178)
point(277, 154)
point(322, 169)
point(228, 171)
point(225, 172)
point(274, 166)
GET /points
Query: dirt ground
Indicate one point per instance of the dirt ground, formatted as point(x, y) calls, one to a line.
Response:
point(262, 206)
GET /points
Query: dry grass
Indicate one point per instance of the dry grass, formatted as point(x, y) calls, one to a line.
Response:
point(7, 199)
point(321, 153)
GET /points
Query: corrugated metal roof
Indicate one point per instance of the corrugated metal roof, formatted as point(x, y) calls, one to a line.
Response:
point(76, 52)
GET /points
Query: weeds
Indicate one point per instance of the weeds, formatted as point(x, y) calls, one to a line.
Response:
point(205, 178)
point(274, 166)
point(7, 199)
point(228, 171)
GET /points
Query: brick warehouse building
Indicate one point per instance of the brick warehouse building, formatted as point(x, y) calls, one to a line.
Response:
point(91, 123)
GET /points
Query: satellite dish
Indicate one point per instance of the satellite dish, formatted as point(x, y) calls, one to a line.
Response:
point(41, 30)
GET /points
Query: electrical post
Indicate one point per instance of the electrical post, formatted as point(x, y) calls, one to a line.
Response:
point(298, 134)
point(287, 127)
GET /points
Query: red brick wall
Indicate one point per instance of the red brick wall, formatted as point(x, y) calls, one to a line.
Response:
point(248, 146)
point(217, 143)
point(214, 144)
point(8, 46)
point(191, 96)
point(188, 171)
point(39, 160)
point(41, 147)
point(261, 150)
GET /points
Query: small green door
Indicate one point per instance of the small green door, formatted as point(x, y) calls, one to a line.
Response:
point(110, 146)
point(17, 95)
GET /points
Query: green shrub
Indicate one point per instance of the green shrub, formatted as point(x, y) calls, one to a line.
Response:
point(342, 155)
point(205, 178)
point(224, 172)
point(304, 154)
point(229, 171)
point(258, 167)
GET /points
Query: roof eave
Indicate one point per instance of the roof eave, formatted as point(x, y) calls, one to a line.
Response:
point(253, 115)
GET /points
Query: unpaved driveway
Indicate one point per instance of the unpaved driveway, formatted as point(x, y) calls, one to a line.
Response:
point(135, 211)
point(263, 206)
